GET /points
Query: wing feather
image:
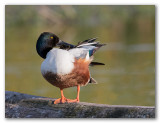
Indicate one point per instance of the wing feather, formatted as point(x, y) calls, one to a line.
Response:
point(89, 46)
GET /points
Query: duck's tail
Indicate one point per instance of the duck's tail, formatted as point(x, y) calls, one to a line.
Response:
point(92, 81)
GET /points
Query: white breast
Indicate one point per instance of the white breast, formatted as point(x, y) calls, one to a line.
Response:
point(58, 61)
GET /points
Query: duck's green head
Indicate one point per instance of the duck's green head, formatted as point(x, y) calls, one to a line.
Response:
point(45, 43)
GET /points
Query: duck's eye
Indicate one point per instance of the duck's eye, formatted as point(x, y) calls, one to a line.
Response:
point(51, 37)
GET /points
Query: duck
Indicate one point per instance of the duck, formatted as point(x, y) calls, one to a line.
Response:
point(66, 65)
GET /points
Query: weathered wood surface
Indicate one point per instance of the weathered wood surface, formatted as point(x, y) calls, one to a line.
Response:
point(18, 105)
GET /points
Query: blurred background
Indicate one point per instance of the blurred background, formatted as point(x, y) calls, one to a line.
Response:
point(128, 78)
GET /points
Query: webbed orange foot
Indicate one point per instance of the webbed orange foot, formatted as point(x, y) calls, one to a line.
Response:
point(72, 101)
point(57, 101)
point(62, 100)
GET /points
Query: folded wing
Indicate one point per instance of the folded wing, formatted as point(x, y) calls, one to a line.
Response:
point(83, 48)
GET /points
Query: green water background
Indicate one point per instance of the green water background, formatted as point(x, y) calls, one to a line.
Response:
point(128, 78)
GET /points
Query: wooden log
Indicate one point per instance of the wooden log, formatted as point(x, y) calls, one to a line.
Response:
point(18, 105)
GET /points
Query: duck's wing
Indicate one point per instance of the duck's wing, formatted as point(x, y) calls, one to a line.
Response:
point(82, 48)
point(89, 46)
point(79, 53)
point(68, 46)
point(90, 40)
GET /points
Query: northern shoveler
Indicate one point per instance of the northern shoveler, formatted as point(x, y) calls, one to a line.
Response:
point(67, 65)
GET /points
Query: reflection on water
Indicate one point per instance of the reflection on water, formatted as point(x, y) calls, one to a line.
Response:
point(128, 78)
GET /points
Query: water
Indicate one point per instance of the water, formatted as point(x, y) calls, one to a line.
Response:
point(128, 78)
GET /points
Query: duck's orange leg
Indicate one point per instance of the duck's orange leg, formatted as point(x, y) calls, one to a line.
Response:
point(78, 92)
point(62, 99)
point(77, 99)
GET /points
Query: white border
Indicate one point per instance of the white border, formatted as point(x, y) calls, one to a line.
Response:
point(90, 2)
point(73, 2)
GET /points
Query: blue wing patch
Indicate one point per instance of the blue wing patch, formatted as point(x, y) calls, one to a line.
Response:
point(91, 52)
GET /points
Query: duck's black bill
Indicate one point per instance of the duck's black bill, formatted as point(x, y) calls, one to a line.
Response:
point(64, 45)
